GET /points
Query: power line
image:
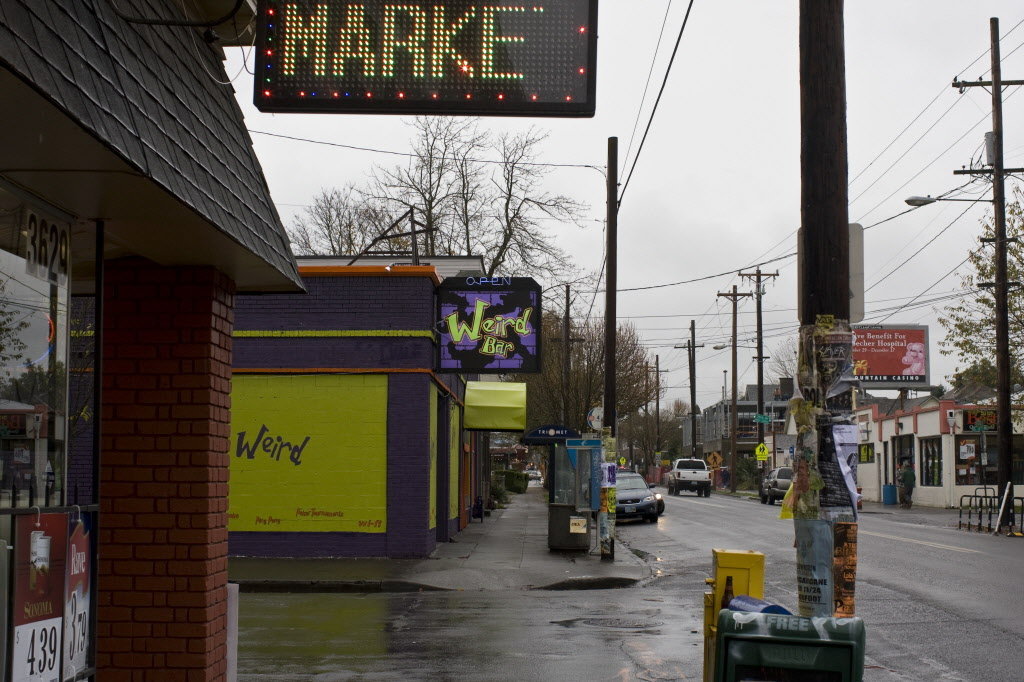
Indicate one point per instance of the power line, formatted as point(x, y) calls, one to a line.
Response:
point(650, 72)
point(921, 248)
point(412, 155)
point(654, 110)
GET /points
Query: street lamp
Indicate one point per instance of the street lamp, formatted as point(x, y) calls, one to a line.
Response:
point(916, 201)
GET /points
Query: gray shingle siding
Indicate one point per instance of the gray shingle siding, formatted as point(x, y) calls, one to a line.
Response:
point(150, 94)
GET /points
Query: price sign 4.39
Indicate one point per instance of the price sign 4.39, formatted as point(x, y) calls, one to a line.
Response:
point(47, 247)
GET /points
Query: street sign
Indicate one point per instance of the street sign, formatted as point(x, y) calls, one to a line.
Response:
point(762, 419)
point(762, 452)
point(714, 460)
point(622, 461)
point(583, 443)
point(595, 418)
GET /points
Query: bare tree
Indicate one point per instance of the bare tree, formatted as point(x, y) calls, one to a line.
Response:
point(586, 380)
point(783, 360)
point(439, 179)
point(339, 221)
point(518, 241)
point(475, 193)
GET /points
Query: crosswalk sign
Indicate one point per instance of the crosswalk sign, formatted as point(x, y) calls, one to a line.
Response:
point(762, 452)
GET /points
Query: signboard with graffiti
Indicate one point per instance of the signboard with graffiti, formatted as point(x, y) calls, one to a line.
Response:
point(893, 356)
point(308, 453)
point(489, 325)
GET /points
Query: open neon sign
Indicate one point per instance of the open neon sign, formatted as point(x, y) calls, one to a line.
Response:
point(433, 57)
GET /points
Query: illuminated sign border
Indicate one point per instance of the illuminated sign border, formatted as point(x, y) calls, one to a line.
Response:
point(479, 102)
point(487, 285)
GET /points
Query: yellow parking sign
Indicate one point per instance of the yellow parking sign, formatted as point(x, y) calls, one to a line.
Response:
point(762, 452)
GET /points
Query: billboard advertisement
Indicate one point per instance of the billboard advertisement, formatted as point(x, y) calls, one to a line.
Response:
point(891, 356)
point(489, 325)
point(308, 453)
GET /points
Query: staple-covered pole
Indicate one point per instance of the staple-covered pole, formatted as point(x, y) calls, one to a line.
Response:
point(824, 367)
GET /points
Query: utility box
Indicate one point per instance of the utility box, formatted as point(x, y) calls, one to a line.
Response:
point(763, 646)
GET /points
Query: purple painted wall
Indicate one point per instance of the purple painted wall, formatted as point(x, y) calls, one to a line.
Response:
point(357, 303)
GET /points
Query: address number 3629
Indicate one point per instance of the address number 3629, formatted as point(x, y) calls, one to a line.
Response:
point(47, 247)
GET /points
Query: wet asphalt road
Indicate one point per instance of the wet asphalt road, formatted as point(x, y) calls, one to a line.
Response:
point(938, 604)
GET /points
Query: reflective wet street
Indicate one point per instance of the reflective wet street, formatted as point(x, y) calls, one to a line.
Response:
point(623, 634)
point(937, 603)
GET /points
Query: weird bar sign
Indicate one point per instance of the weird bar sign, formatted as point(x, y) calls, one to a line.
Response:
point(489, 325)
point(469, 57)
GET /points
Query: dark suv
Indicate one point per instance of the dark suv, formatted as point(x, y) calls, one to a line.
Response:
point(775, 484)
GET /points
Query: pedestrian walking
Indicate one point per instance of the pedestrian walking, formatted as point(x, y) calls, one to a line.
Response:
point(907, 481)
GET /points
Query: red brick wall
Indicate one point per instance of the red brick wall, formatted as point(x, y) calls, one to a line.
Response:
point(164, 472)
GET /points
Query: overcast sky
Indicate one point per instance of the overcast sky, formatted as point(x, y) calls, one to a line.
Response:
point(716, 188)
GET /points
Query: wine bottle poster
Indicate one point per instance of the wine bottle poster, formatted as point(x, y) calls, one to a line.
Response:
point(37, 614)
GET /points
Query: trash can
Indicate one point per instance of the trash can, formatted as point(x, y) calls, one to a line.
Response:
point(889, 495)
point(768, 646)
point(567, 528)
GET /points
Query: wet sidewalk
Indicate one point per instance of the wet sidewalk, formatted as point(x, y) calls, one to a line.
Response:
point(508, 551)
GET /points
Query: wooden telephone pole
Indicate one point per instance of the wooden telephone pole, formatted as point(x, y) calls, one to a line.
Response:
point(1004, 423)
point(733, 417)
point(691, 355)
point(757, 276)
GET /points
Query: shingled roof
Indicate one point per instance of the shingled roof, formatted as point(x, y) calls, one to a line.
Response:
point(158, 97)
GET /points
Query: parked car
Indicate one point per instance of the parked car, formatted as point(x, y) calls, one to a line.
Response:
point(775, 484)
point(533, 474)
point(635, 499)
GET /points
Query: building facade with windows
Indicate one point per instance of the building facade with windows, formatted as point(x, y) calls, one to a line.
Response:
point(951, 445)
point(368, 455)
point(715, 422)
point(133, 209)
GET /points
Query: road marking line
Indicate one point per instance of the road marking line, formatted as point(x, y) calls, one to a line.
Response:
point(937, 545)
point(709, 504)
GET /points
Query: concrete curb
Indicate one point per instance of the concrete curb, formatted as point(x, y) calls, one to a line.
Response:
point(397, 586)
point(334, 586)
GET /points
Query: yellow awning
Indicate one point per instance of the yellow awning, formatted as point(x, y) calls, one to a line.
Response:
point(495, 406)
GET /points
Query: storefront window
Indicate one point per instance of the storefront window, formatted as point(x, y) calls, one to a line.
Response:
point(931, 461)
point(903, 448)
point(866, 453)
point(34, 264)
point(976, 460)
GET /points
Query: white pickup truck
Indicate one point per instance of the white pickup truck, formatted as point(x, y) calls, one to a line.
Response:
point(689, 474)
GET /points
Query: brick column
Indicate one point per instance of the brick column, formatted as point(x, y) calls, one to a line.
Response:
point(163, 495)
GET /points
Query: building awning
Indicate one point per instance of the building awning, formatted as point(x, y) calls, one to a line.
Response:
point(495, 406)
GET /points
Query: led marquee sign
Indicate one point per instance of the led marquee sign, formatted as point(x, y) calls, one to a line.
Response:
point(475, 57)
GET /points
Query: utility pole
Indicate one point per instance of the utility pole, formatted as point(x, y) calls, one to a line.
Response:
point(607, 538)
point(733, 417)
point(691, 355)
point(565, 360)
point(757, 276)
point(1004, 424)
point(610, 283)
point(657, 406)
point(826, 339)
